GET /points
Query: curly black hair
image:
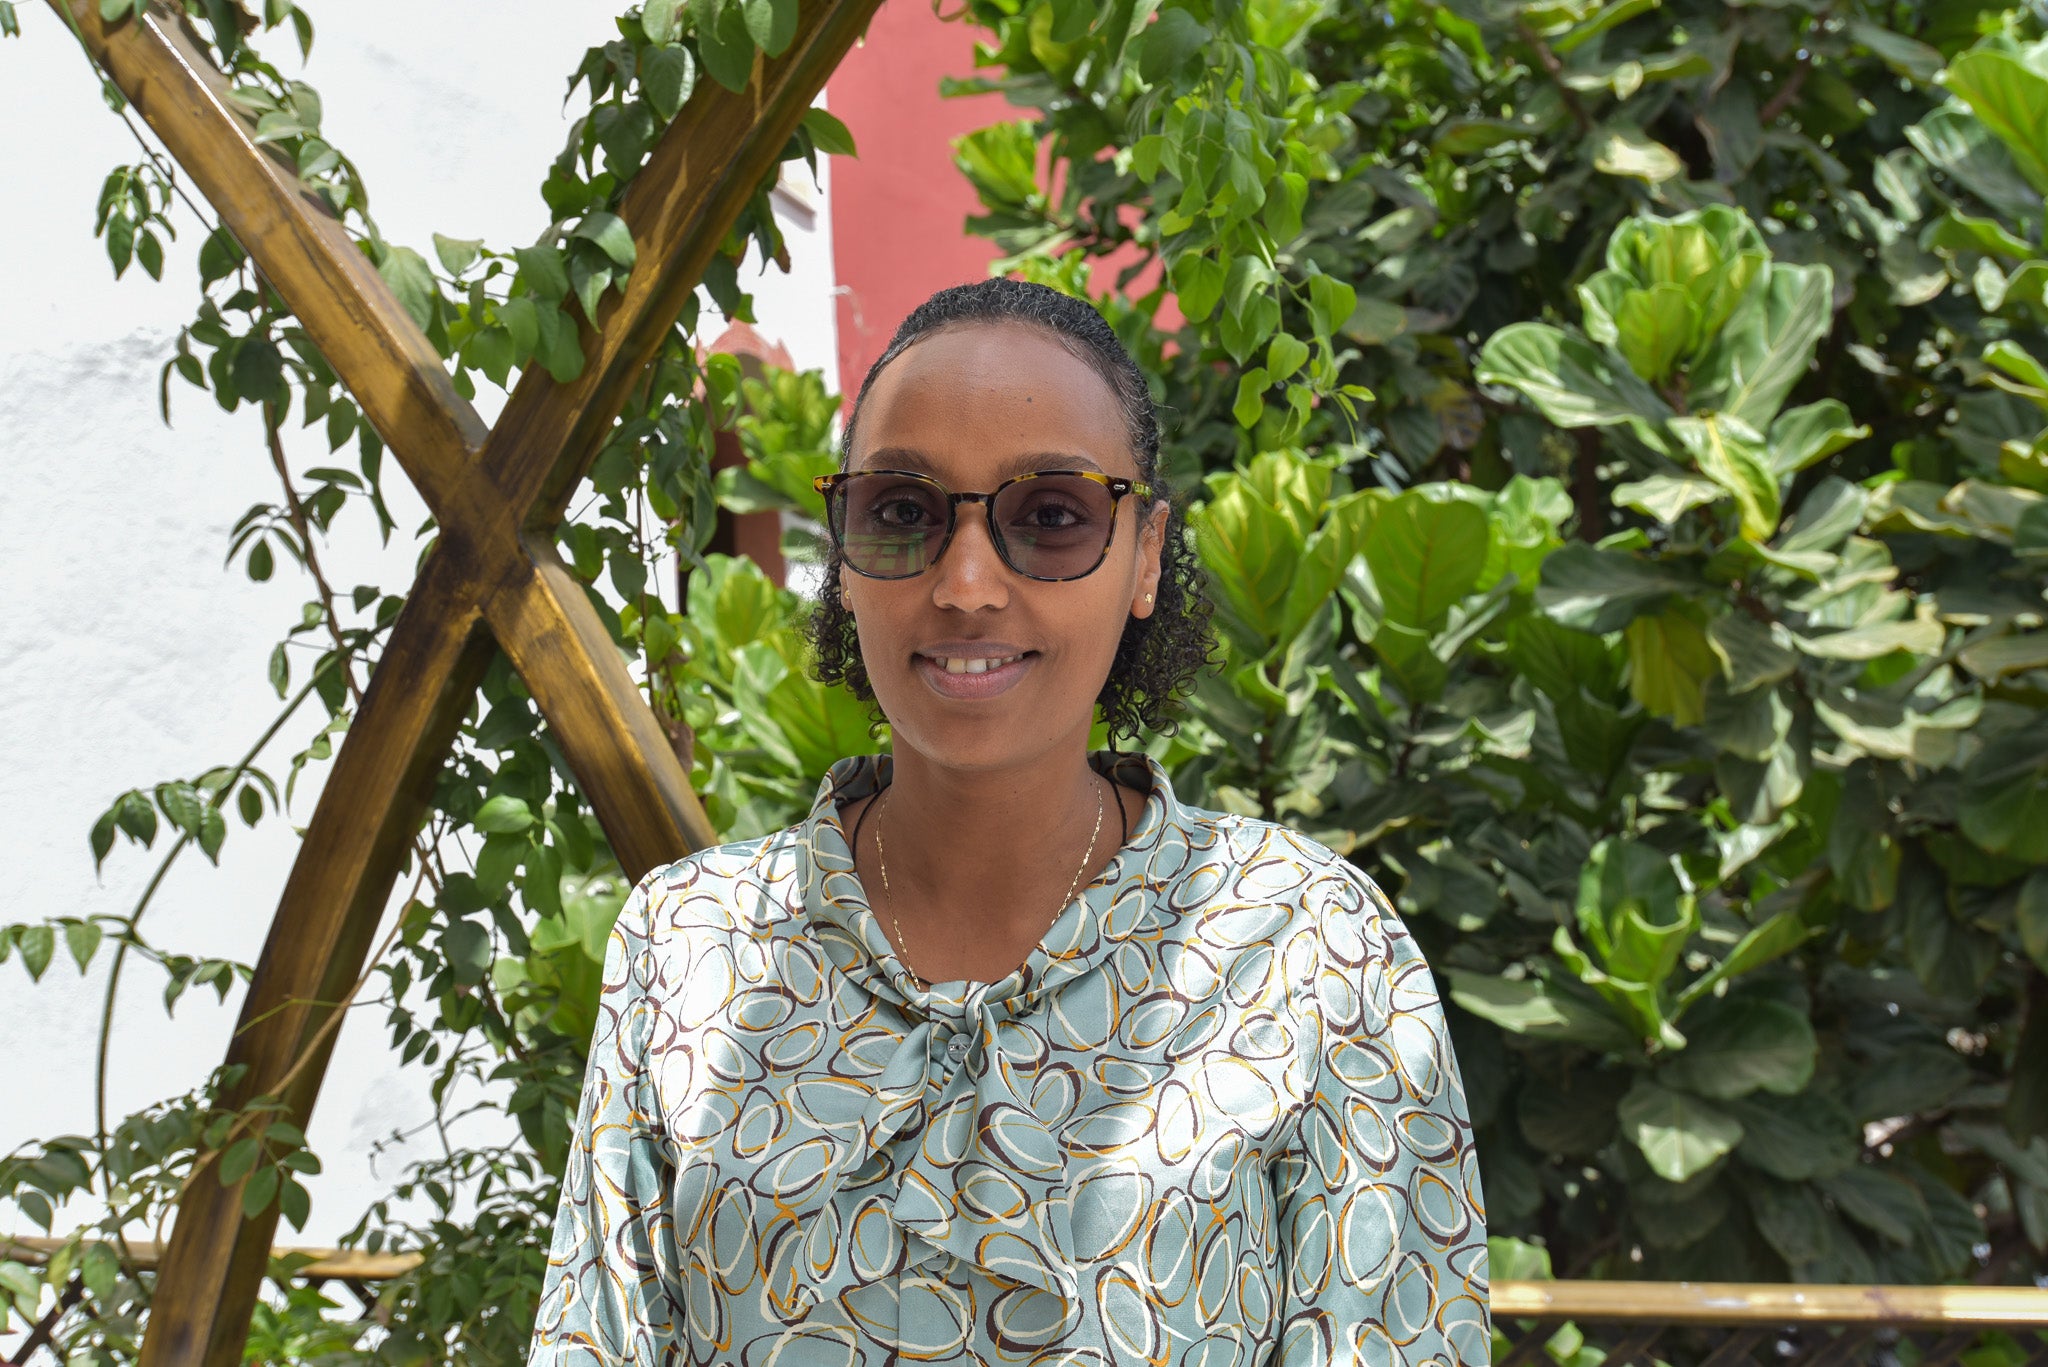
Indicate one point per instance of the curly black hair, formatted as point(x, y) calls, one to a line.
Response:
point(1159, 657)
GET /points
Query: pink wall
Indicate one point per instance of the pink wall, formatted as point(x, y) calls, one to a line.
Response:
point(899, 208)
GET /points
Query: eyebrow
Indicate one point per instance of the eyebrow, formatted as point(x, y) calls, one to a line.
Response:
point(910, 458)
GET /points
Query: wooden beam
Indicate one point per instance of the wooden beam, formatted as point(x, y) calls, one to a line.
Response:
point(618, 751)
point(494, 566)
point(339, 886)
point(388, 365)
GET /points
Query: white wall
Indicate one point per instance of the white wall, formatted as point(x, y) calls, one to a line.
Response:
point(128, 655)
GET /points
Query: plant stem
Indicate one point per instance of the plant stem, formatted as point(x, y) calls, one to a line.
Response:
point(122, 946)
point(303, 526)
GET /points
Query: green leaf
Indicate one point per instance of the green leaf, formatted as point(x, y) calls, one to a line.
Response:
point(457, 254)
point(412, 282)
point(295, 1203)
point(1742, 1045)
point(239, 1160)
point(1602, 591)
point(503, 815)
point(1170, 48)
point(1747, 368)
point(1653, 328)
point(2003, 656)
point(1571, 382)
point(1670, 662)
point(2004, 802)
point(542, 271)
point(261, 1191)
point(2012, 101)
point(659, 20)
point(1919, 636)
point(1878, 1201)
point(82, 938)
point(1952, 139)
point(771, 24)
point(1774, 939)
point(1732, 454)
point(1425, 555)
point(1908, 57)
point(2030, 912)
point(1251, 397)
point(1668, 497)
point(1681, 1136)
point(1798, 1138)
point(1813, 432)
point(38, 944)
point(1529, 1006)
point(1198, 284)
point(1752, 653)
point(1622, 149)
point(726, 46)
point(611, 234)
point(668, 74)
point(467, 947)
point(828, 133)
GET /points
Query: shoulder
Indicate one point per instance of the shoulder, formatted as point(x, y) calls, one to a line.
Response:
point(1258, 860)
point(738, 886)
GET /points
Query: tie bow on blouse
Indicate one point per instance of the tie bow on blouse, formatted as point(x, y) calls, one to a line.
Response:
point(985, 1179)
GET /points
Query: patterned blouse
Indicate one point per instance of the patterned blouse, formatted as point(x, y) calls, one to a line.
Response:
point(1213, 1119)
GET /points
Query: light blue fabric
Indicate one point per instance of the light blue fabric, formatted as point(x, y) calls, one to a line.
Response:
point(1214, 1119)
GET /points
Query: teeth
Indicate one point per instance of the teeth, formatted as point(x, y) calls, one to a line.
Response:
point(977, 666)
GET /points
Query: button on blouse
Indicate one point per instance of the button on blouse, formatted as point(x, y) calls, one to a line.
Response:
point(1213, 1119)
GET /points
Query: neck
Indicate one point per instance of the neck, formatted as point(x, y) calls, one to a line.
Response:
point(994, 841)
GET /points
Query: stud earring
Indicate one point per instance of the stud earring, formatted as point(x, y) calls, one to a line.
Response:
point(1148, 597)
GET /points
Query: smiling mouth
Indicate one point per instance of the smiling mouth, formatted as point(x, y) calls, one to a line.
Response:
point(978, 665)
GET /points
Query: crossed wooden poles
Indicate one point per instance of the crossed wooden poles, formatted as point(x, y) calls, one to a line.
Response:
point(493, 580)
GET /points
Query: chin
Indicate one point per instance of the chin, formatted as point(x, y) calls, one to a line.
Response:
point(979, 738)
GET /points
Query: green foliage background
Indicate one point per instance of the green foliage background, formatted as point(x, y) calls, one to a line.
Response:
point(1615, 437)
point(1665, 631)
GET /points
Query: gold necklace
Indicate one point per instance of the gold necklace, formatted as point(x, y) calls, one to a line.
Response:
point(882, 860)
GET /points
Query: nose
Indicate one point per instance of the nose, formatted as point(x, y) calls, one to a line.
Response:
point(970, 575)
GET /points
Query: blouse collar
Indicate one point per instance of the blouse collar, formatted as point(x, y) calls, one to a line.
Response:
point(1164, 843)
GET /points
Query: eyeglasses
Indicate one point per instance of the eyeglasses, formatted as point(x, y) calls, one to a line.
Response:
point(1051, 525)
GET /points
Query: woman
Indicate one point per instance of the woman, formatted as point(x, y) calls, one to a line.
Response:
point(1004, 1055)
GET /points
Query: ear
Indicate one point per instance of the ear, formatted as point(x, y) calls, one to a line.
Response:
point(1151, 558)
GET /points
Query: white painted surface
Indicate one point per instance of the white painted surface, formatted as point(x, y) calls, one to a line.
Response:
point(128, 655)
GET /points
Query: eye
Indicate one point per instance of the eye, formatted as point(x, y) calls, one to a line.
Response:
point(901, 511)
point(1050, 512)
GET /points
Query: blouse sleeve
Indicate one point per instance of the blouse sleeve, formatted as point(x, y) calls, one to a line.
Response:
point(606, 1298)
point(1382, 1228)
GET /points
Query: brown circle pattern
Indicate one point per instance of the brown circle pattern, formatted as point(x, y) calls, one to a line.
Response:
point(1213, 1120)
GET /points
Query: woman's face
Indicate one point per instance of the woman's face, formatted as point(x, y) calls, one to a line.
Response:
point(972, 406)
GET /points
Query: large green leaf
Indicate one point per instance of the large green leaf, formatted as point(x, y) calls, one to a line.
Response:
point(1796, 1137)
point(1962, 146)
point(2004, 803)
point(1751, 364)
point(1425, 554)
point(1733, 455)
point(1530, 1006)
point(1599, 590)
point(2012, 101)
point(1670, 662)
point(1679, 1135)
point(1571, 381)
point(1741, 1045)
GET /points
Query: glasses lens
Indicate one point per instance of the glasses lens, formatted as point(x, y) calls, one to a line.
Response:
point(888, 525)
point(1054, 526)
